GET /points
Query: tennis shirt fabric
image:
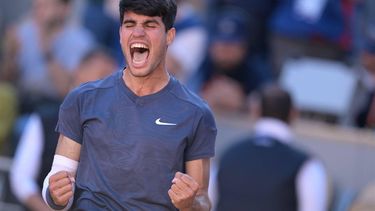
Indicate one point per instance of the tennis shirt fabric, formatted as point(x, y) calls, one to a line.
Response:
point(131, 146)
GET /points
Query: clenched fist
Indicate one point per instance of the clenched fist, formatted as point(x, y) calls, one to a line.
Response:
point(61, 187)
point(183, 191)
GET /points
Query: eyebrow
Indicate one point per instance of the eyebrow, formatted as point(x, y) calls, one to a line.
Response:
point(148, 21)
point(128, 21)
point(151, 21)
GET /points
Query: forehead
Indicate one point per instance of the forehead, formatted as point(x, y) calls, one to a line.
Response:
point(140, 18)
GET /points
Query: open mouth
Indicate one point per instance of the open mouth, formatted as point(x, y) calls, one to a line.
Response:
point(139, 53)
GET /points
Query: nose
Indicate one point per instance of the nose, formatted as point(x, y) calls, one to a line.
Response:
point(138, 31)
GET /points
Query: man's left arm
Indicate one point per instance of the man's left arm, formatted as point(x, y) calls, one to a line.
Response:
point(190, 191)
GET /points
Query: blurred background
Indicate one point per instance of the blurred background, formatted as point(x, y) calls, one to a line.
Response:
point(322, 52)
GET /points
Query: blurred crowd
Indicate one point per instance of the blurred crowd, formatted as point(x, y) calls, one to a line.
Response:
point(225, 50)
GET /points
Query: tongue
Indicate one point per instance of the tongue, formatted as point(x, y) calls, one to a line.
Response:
point(139, 57)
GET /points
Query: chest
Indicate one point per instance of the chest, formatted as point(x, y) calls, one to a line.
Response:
point(139, 128)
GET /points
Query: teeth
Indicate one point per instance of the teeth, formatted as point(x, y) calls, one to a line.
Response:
point(138, 45)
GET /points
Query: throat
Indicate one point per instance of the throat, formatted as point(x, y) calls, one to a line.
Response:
point(140, 57)
point(142, 86)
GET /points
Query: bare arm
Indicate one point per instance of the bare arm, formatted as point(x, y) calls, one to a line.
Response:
point(68, 148)
point(58, 187)
point(200, 171)
point(190, 191)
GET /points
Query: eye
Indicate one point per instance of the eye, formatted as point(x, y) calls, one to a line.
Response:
point(127, 24)
point(151, 24)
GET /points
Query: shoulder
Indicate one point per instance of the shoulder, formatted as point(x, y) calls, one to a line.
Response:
point(238, 149)
point(76, 31)
point(78, 36)
point(297, 152)
point(188, 97)
point(91, 89)
point(21, 32)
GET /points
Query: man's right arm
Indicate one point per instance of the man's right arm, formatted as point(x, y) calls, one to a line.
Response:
point(58, 186)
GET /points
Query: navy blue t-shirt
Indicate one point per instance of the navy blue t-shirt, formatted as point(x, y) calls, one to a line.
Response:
point(131, 146)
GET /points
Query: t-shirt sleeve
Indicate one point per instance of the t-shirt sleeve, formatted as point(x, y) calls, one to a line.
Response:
point(69, 123)
point(202, 144)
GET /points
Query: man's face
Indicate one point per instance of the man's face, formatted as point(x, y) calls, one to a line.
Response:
point(144, 42)
point(50, 13)
point(227, 55)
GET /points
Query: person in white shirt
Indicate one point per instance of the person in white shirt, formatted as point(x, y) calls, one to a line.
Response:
point(264, 172)
point(35, 150)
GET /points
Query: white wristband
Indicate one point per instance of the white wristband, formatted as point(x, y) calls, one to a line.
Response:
point(60, 163)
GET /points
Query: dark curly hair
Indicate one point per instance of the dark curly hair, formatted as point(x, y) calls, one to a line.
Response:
point(166, 9)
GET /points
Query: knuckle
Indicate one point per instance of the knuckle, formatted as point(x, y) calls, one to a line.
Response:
point(58, 201)
point(190, 192)
point(53, 192)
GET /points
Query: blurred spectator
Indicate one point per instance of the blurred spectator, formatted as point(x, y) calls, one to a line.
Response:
point(366, 115)
point(363, 23)
point(189, 46)
point(10, 12)
point(259, 15)
point(8, 112)
point(34, 154)
point(99, 20)
point(264, 172)
point(318, 28)
point(228, 73)
point(42, 51)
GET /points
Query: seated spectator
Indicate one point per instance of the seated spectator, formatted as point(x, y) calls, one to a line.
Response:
point(8, 112)
point(97, 17)
point(189, 46)
point(36, 148)
point(264, 172)
point(363, 23)
point(229, 75)
point(259, 15)
point(42, 51)
point(310, 28)
point(366, 114)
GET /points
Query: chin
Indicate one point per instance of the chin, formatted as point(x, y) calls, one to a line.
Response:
point(139, 72)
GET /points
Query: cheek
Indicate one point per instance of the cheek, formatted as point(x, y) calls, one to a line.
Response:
point(123, 36)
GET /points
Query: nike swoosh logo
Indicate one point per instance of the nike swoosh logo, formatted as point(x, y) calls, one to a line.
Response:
point(158, 122)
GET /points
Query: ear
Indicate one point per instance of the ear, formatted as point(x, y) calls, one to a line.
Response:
point(171, 34)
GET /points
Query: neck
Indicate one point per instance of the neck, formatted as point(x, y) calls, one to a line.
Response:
point(274, 128)
point(146, 85)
